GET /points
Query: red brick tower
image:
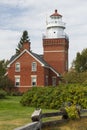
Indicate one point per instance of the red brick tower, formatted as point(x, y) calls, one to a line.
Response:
point(55, 43)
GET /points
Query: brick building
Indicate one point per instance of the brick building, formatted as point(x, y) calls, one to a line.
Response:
point(29, 69)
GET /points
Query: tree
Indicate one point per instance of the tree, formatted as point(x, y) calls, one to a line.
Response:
point(80, 63)
point(24, 38)
point(74, 77)
point(3, 65)
point(5, 82)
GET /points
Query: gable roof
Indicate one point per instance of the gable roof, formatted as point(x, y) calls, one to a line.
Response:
point(36, 57)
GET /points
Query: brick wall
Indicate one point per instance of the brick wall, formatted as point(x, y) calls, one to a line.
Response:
point(56, 53)
point(25, 73)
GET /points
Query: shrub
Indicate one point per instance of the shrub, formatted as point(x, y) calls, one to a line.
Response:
point(3, 94)
point(54, 97)
point(72, 112)
point(16, 93)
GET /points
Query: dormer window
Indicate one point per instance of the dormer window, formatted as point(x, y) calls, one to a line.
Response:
point(17, 67)
point(34, 66)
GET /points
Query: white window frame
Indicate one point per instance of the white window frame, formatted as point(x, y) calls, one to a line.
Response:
point(33, 80)
point(34, 66)
point(17, 67)
point(54, 81)
point(17, 81)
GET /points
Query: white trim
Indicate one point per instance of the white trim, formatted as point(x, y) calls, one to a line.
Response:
point(25, 86)
point(6, 74)
point(18, 76)
point(33, 75)
point(55, 72)
point(55, 51)
point(15, 59)
point(22, 54)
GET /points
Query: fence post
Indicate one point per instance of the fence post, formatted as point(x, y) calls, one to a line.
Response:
point(36, 116)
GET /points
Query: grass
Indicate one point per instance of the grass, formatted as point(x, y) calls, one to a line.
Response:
point(71, 125)
point(13, 114)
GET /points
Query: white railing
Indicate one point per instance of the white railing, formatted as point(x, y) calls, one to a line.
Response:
point(56, 23)
point(58, 36)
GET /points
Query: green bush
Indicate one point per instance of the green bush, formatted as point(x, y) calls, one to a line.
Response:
point(3, 94)
point(72, 112)
point(75, 77)
point(54, 97)
point(15, 94)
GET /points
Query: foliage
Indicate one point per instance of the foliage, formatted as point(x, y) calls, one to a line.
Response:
point(72, 112)
point(15, 93)
point(70, 125)
point(24, 38)
point(13, 114)
point(54, 97)
point(3, 94)
point(6, 83)
point(80, 63)
point(75, 77)
point(3, 65)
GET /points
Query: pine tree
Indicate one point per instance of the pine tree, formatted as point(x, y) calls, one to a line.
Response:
point(24, 38)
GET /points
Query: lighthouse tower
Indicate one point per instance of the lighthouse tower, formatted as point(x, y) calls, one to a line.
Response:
point(55, 43)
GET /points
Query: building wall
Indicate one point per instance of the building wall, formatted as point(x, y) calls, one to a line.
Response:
point(56, 53)
point(26, 72)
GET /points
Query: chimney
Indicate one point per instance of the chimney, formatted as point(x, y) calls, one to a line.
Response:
point(26, 45)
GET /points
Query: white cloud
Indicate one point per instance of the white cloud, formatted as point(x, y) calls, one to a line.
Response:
point(19, 15)
point(8, 43)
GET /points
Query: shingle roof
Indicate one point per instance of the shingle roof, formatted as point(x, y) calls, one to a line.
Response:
point(12, 58)
point(39, 57)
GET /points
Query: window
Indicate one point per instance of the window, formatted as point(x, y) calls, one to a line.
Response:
point(33, 80)
point(17, 67)
point(34, 66)
point(53, 81)
point(17, 81)
point(46, 80)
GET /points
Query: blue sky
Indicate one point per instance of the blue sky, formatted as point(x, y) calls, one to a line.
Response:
point(19, 15)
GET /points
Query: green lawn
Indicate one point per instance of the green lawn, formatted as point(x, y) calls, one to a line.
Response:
point(13, 114)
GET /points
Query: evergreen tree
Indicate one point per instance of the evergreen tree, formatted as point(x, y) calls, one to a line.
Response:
point(24, 38)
